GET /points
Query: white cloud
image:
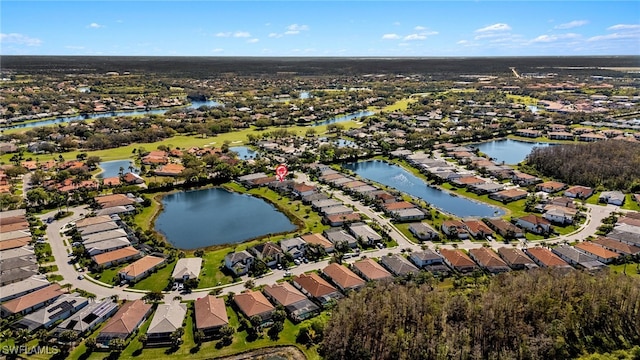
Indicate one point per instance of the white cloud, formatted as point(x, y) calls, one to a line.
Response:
point(253, 41)
point(74, 47)
point(217, 50)
point(20, 39)
point(494, 27)
point(419, 28)
point(95, 26)
point(390, 36)
point(615, 36)
point(572, 24)
point(223, 34)
point(275, 35)
point(403, 44)
point(624, 27)
point(552, 38)
point(462, 42)
point(414, 37)
point(396, 23)
point(241, 34)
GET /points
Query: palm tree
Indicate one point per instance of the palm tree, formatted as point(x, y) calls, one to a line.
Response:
point(21, 336)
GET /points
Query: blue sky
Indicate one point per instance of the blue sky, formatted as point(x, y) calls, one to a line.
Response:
point(315, 28)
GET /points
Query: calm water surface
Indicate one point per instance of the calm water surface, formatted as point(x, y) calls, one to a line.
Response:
point(396, 177)
point(508, 150)
point(200, 218)
point(112, 168)
point(244, 152)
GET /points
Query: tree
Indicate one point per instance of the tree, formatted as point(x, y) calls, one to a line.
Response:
point(68, 336)
point(191, 283)
point(153, 296)
point(249, 284)
point(116, 345)
point(91, 344)
point(176, 336)
point(275, 329)
point(143, 339)
point(198, 337)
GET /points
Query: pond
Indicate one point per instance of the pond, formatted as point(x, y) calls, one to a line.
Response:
point(343, 118)
point(400, 179)
point(112, 168)
point(244, 152)
point(66, 119)
point(508, 150)
point(206, 217)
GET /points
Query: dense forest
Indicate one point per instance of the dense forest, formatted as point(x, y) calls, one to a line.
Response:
point(525, 315)
point(613, 164)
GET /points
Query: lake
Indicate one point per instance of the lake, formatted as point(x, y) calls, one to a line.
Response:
point(112, 168)
point(244, 152)
point(201, 218)
point(343, 118)
point(66, 119)
point(508, 150)
point(400, 179)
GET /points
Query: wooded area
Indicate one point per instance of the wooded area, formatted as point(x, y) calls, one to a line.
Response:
point(613, 164)
point(524, 315)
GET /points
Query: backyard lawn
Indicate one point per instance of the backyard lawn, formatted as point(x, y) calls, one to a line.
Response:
point(158, 280)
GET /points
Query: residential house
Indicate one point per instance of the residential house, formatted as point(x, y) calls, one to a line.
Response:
point(505, 228)
point(477, 228)
point(579, 192)
point(100, 247)
point(32, 301)
point(187, 268)
point(591, 137)
point(509, 195)
point(458, 260)
point(336, 210)
point(88, 318)
point(210, 315)
point(239, 262)
point(301, 190)
point(364, 233)
point(489, 260)
point(325, 203)
point(524, 179)
point(96, 228)
point(105, 235)
point(60, 309)
point(558, 214)
point(125, 322)
point(516, 258)
point(599, 253)
point(617, 246)
point(430, 261)
point(550, 186)
point(320, 240)
point(249, 180)
point(254, 303)
point(169, 170)
point(370, 270)
point(411, 214)
point(545, 258)
point(423, 231)
point(167, 319)
point(560, 135)
point(107, 201)
point(612, 197)
point(268, 252)
point(339, 236)
point(529, 133)
point(339, 220)
point(342, 277)
point(317, 288)
point(141, 268)
point(622, 234)
point(398, 265)
point(455, 228)
point(298, 306)
point(19, 288)
point(92, 221)
point(575, 257)
point(115, 257)
point(294, 246)
point(534, 224)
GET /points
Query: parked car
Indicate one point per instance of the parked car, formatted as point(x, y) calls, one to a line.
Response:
point(80, 277)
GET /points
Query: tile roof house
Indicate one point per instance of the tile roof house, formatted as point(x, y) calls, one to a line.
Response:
point(88, 318)
point(429, 260)
point(612, 197)
point(169, 170)
point(370, 270)
point(545, 258)
point(423, 231)
point(398, 265)
point(316, 288)
point(297, 305)
point(341, 219)
point(31, 301)
point(364, 233)
point(107, 201)
point(516, 258)
point(505, 228)
point(210, 315)
point(508, 195)
point(295, 246)
point(239, 262)
point(575, 257)
point(337, 236)
point(318, 239)
point(489, 260)
point(167, 319)
point(187, 268)
point(458, 260)
point(342, 277)
point(141, 268)
point(96, 228)
point(268, 252)
point(550, 186)
point(477, 228)
point(578, 192)
point(617, 246)
point(92, 221)
point(100, 247)
point(125, 322)
point(535, 224)
point(19, 288)
point(254, 303)
point(599, 253)
point(455, 228)
point(60, 309)
point(116, 256)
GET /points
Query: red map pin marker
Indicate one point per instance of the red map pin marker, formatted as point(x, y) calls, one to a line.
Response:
point(281, 171)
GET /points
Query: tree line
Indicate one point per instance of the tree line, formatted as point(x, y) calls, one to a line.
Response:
point(612, 164)
point(540, 314)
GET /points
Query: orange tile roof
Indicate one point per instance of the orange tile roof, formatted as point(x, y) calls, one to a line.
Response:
point(141, 266)
point(14, 227)
point(33, 298)
point(487, 257)
point(14, 243)
point(617, 245)
point(597, 250)
point(314, 284)
point(115, 255)
point(210, 311)
point(317, 239)
point(284, 293)
point(546, 257)
point(371, 269)
point(253, 303)
point(342, 276)
point(399, 205)
point(457, 258)
point(126, 319)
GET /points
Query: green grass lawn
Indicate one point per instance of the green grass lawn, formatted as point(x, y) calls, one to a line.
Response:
point(109, 275)
point(630, 204)
point(158, 280)
point(514, 209)
point(404, 229)
point(398, 105)
point(633, 269)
